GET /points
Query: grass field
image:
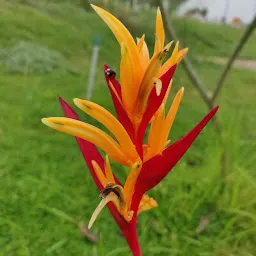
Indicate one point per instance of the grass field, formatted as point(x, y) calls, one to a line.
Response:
point(43, 180)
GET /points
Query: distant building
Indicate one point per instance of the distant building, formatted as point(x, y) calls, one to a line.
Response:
point(222, 10)
point(236, 21)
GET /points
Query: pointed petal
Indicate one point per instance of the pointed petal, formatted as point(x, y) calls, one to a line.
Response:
point(100, 174)
point(154, 103)
point(155, 134)
point(181, 54)
point(111, 123)
point(161, 126)
point(149, 177)
point(159, 43)
point(108, 171)
point(123, 36)
point(148, 81)
point(119, 30)
point(100, 207)
point(127, 79)
point(140, 42)
point(171, 61)
point(171, 116)
point(130, 182)
point(144, 56)
point(143, 52)
point(90, 133)
point(88, 150)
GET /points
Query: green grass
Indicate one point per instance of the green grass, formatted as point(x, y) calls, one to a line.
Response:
point(45, 183)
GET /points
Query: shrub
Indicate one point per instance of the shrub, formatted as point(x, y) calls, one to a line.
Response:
point(26, 57)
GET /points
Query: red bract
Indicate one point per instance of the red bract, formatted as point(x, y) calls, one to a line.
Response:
point(120, 111)
point(155, 169)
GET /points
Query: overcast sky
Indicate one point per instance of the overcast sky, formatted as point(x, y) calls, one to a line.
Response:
point(245, 9)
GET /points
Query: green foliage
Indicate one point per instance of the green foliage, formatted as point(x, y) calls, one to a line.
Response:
point(32, 58)
point(202, 12)
point(45, 185)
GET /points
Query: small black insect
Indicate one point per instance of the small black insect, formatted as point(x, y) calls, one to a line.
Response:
point(110, 73)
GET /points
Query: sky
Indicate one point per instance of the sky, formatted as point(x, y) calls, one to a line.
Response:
point(244, 9)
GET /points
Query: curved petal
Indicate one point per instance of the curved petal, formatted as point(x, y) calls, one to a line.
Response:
point(123, 36)
point(119, 30)
point(171, 61)
point(171, 116)
point(143, 52)
point(157, 126)
point(90, 133)
point(160, 35)
point(111, 123)
point(88, 150)
point(108, 171)
point(127, 79)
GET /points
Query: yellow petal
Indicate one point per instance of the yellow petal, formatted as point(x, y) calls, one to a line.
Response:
point(108, 171)
point(140, 42)
point(123, 36)
point(144, 56)
point(143, 52)
point(171, 115)
point(102, 204)
point(99, 173)
point(181, 54)
point(90, 133)
point(127, 79)
point(130, 183)
point(148, 80)
point(119, 30)
point(155, 134)
point(111, 123)
point(159, 43)
point(171, 61)
point(146, 203)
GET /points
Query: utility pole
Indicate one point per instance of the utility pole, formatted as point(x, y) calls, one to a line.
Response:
point(94, 60)
point(225, 17)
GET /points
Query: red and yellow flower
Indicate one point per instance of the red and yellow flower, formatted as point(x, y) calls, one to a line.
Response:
point(139, 101)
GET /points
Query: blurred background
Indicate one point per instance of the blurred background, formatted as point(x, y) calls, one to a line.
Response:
point(207, 205)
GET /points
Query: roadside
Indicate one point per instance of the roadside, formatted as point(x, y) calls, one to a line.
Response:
point(238, 63)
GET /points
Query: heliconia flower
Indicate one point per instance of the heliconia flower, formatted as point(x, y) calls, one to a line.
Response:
point(139, 101)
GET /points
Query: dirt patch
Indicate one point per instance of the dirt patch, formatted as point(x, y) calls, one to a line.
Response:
point(245, 64)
